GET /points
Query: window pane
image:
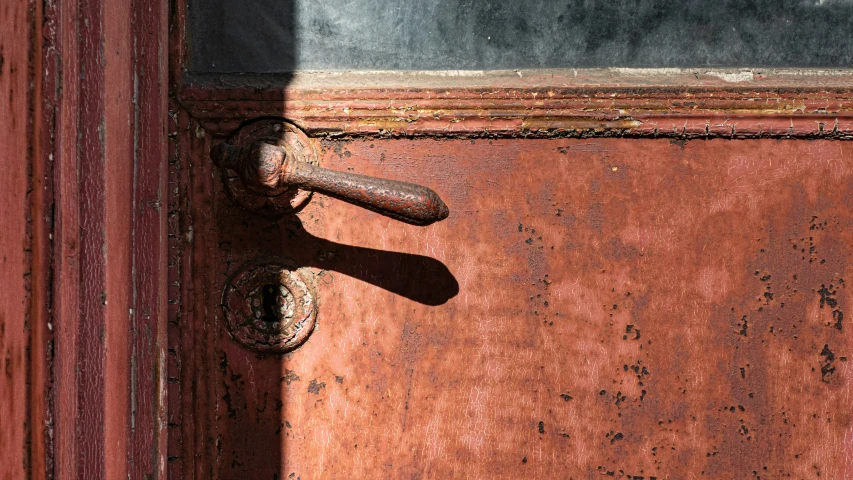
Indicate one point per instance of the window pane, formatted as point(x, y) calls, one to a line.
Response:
point(279, 36)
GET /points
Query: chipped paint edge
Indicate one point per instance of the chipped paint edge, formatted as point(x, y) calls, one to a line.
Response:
point(685, 103)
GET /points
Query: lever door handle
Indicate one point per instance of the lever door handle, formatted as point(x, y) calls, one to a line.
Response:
point(269, 169)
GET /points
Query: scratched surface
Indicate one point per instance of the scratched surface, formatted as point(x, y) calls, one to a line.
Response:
point(641, 308)
point(16, 240)
point(280, 36)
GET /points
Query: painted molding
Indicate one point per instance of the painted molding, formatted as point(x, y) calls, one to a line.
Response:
point(743, 103)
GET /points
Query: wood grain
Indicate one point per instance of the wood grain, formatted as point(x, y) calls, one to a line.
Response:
point(15, 242)
point(675, 103)
point(84, 172)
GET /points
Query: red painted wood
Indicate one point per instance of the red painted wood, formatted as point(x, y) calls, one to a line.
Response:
point(563, 103)
point(195, 346)
point(42, 197)
point(15, 241)
point(150, 245)
point(93, 251)
point(83, 310)
point(118, 196)
point(608, 293)
point(67, 230)
point(174, 412)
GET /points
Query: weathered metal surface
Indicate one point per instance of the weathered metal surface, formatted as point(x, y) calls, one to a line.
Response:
point(270, 168)
point(278, 200)
point(269, 307)
point(640, 309)
point(562, 103)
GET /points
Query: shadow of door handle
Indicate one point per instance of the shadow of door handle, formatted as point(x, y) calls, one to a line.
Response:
point(271, 167)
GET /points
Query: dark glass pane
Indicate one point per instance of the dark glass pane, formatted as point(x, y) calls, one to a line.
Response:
point(278, 36)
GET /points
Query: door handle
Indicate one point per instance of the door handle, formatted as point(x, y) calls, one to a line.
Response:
point(270, 167)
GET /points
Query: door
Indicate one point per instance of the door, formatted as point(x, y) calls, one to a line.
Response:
point(643, 273)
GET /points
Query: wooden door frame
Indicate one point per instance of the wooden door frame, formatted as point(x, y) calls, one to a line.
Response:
point(84, 303)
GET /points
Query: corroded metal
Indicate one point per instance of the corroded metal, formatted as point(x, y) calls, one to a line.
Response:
point(270, 169)
point(279, 201)
point(269, 307)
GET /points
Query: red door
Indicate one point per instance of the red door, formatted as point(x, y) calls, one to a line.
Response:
point(642, 275)
point(639, 307)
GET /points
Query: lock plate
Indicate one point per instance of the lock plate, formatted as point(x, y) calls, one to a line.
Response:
point(269, 307)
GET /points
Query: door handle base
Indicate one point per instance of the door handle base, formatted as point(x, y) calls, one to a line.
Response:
point(280, 203)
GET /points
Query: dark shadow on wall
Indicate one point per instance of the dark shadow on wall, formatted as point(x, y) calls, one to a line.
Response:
point(228, 40)
point(419, 278)
point(242, 37)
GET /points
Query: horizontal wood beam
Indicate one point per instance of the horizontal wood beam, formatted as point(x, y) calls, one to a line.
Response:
point(612, 102)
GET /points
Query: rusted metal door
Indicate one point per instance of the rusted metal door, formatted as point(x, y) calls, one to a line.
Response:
point(642, 275)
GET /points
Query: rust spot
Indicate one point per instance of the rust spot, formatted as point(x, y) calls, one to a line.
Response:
point(827, 367)
point(315, 387)
point(289, 377)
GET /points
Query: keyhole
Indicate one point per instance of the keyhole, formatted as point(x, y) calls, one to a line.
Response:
point(270, 304)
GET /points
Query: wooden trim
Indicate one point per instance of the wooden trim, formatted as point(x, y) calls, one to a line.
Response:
point(150, 250)
point(83, 309)
point(41, 218)
point(16, 240)
point(669, 102)
point(110, 254)
point(612, 102)
point(191, 390)
point(65, 105)
point(118, 196)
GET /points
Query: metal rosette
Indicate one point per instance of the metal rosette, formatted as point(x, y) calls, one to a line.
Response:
point(295, 143)
point(269, 307)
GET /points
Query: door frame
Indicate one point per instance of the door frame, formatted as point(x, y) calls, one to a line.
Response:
point(86, 306)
